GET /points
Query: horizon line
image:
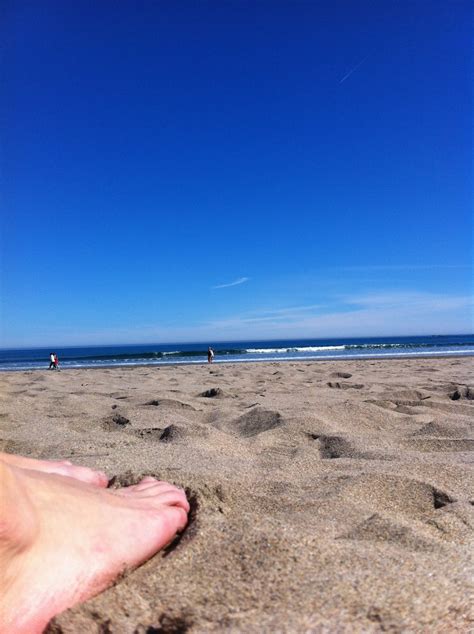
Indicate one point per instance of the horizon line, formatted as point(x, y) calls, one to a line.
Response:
point(205, 343)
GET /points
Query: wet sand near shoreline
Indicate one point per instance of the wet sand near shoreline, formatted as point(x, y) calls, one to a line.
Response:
point(331, 496)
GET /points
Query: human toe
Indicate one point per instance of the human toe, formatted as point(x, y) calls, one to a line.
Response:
point(147, 483)
point(85, 474)
point(161, 494)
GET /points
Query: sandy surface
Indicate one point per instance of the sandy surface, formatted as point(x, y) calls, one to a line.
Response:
point(327, 496)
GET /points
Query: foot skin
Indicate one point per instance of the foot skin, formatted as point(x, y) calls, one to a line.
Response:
point(63, 540)
point(60, 467)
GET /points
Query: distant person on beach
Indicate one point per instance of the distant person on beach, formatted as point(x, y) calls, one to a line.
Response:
point(52, 360)
point(210, 355)
point(66, 537)
point(56, 362)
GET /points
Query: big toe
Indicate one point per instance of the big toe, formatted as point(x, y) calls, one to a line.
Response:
point(155, 493)
point(162, 516)
point(177, 518)
point(84, 474)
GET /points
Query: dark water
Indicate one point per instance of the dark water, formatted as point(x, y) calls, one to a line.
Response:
point(276, 350)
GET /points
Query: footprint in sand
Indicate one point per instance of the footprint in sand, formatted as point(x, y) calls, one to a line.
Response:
point(213, 392)
point(462, 392)
point(341, 375)
point(115, 422)
point(150, 433)
point(345, 386)
point(455, 521)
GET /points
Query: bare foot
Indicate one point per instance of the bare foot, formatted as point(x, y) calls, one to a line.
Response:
point(60, 467)
point(62, 540)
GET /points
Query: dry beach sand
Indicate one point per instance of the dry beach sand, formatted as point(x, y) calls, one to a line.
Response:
point(326, 496)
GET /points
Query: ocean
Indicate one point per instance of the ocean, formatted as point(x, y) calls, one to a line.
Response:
point(232, 351)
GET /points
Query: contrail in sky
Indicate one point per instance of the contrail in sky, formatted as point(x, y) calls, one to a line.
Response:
point(353, 69)
point(241, 280)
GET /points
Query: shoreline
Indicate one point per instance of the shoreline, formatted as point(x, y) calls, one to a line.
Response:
point(330, 494)
point(332, 359)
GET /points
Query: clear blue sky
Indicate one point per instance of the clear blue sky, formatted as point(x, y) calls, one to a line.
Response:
point(182, 171)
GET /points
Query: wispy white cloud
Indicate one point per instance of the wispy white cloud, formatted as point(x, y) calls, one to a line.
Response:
point(282, 314)
point(240, 280)
point(380, 313)
point(409, 301)
point(374, 314)
point(353, 69)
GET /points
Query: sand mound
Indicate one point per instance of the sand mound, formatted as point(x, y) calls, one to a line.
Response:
point(255, 422)
point(331, 447)
point(381, 529)
point(172, 433)
point(391, 494)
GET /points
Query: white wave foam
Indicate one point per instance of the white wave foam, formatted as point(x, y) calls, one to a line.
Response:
point(356, 346)
point(286, 350)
